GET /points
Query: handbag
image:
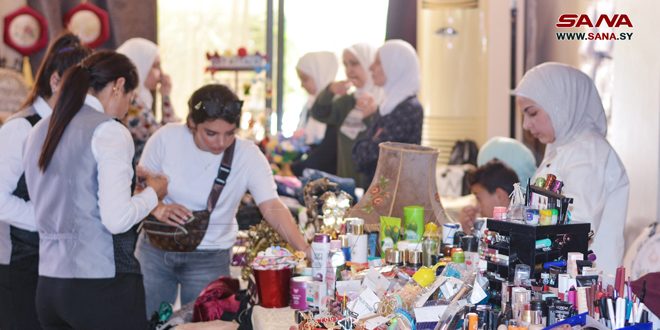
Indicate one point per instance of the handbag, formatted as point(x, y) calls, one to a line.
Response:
point(186, 237)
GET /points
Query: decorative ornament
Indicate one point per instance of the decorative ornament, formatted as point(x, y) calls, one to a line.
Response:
point(242, 52)
point(25, 31)
point(335, 205)
point(90, 23)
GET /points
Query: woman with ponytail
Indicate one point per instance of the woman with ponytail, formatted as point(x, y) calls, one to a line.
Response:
point(19, 241)
point(78, 170)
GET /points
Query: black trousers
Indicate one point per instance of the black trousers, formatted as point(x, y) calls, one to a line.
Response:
point(116, 303)
point(18, 287)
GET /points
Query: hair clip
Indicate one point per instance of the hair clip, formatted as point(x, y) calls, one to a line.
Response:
point(214, 108)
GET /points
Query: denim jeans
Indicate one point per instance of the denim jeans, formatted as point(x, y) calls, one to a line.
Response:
point(163, 270)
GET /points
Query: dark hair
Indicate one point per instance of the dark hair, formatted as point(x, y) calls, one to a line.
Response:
point(212, 102)
point(493, 175)
point(95, 72)
point(63, 53)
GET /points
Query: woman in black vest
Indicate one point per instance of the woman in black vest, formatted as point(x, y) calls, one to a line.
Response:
point(19, 241)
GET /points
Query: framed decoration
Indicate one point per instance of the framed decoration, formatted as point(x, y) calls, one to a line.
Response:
point(90, 23)
point(25, 31)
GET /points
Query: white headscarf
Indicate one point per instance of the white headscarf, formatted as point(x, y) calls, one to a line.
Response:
point(401, 66)
point(568, 96)
point(353, 124)
point(142, 53)
point(322, 68)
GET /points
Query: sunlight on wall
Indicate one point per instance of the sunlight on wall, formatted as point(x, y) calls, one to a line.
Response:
point(188, 29)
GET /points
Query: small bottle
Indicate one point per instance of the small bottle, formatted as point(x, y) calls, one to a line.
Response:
point(336, 262)
point(430, 243)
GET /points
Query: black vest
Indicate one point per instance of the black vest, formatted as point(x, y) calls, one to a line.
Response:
point(25, 244)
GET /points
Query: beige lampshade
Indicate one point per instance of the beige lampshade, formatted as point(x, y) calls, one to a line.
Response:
point(405, 175)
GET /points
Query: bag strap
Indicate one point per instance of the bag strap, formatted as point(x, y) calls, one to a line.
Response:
point(221, 180)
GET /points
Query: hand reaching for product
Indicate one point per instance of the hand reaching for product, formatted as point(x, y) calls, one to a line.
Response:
point(467, 216)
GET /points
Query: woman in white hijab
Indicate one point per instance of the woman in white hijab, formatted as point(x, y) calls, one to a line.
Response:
point(400, 115)
point(141, 121)
point(317, 70)
point(562, 108)
point(336, 106)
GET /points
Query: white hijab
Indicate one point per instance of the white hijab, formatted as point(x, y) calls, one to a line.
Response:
point(401, 67)
point(322, 68)
point(568, 96)
point(353, 124)
point(142, 53)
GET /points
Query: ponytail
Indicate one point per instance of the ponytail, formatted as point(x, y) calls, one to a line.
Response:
point(95, 73)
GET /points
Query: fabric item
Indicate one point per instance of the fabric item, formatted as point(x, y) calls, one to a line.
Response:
point(18, 287)
point(402, 76)
point(191, 171)
point(581, 157)
point(648, 288)
point(511, 152)
point(217, 299)
point(163, 270)
point(403, 124)
point(101, 193)
point(142, 53)
point(322, 68)
point(116, 303)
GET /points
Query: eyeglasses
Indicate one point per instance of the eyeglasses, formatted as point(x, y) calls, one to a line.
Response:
point(215, 108)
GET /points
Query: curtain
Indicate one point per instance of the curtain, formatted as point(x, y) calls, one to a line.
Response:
point(402, 21)
point(128, 19)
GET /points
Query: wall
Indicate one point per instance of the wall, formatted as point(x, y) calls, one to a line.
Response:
point(635, 125)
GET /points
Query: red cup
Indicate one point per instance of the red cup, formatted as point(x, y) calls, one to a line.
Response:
point(273, 287)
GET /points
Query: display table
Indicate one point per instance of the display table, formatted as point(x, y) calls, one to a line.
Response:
point(212, 325)
point(273, 318)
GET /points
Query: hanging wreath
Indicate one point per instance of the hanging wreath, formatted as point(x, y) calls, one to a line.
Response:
point(90, 23)
point(25, 31)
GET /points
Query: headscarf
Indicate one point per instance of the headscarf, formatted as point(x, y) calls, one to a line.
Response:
point(568, 96)
point(353, 124)
point(512, 153)
point(142, 53)
point(401, 66)
point(322, 68)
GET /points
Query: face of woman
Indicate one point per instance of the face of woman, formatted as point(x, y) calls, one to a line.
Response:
point(214, 136)
point(377, 73)
point(307, 82)
point(153, 77)
point(114, 100)
point(536, 120)
point(354, 71)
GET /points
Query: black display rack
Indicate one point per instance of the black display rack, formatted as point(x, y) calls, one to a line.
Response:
point(518, 242)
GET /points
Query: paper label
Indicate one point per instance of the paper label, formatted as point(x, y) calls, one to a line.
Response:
point(364, 304)
point(429, 313)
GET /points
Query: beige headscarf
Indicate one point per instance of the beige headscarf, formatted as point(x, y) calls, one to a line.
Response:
point(142, 53)
point(568, 96)
point(401, 66)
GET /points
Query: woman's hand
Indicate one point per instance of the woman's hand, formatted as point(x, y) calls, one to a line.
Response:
point(172, 214)
point(340, 87)
point(366, 104)
point(165, 84)
point(148, 179)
